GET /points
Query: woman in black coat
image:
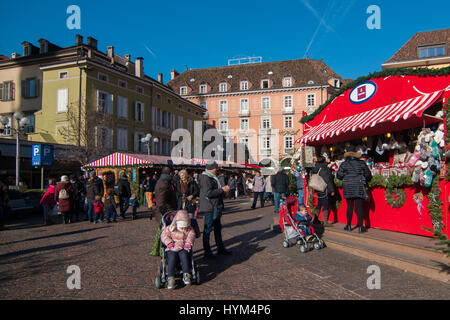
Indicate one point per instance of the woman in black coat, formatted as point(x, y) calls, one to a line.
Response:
point(322, 169)
point(355, 174)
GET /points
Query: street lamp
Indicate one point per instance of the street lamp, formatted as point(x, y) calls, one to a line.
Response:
point(22, 122)
point(148, 139)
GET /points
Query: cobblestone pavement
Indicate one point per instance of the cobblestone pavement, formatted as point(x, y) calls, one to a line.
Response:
point(115, 264)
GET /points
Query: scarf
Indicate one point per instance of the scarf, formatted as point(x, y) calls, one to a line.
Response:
point(212, 175)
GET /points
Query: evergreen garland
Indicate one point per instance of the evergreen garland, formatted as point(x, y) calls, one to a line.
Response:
point(395, 194)
point(377, 181)
point(435, 204)
point(421, 72)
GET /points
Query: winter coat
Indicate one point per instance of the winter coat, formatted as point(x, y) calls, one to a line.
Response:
point(259, 184)
point(190, 189)
point(93, 189)
point(354, 174)
point(78, 190)
point(171, 234)
point(211, 194)
point(280, 182)
point(232, 184)
point(165, 195)
point(327, 176)
point(98, 206)
point(65, 205)
point(49, 197)
point(110, 202)
point(303, 220)
point(124, 188)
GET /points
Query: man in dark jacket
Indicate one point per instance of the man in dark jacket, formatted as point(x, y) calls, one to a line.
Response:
point(211, 206)
point(280, 187)
point(322, 169)
point(78, 197)
point(354, 174)
point(165, 195)
point(124, 190)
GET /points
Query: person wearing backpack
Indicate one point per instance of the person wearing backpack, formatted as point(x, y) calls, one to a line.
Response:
point(64, 194)
point(324, 172)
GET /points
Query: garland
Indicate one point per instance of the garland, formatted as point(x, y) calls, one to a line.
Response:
point(435, 204)
point(395, 195)
point(422, 72)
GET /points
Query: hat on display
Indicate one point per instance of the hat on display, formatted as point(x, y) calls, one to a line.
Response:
point(211, 165)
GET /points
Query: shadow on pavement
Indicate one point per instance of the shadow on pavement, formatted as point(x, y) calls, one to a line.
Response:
point(55, 235)
point(249, 244)
point(46, 248)
point(240, 222)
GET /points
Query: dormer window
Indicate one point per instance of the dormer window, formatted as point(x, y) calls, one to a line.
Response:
point(203, 88)
point(223, 87)
point(183, 91)
point(287, 82)
point(431, 51)
point(265, 84)
point(337, 83)
point(44, 47)
point(244, 85)
point(27, 51)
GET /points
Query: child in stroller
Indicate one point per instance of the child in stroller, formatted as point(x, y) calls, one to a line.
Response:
point(297, 225)
point(177, 238)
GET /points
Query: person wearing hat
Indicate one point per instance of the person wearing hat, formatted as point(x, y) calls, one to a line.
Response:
point(211, 206)
point(64, 194)
point(355, 174)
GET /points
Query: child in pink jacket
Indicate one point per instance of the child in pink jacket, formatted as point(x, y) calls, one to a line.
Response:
point(179, 239)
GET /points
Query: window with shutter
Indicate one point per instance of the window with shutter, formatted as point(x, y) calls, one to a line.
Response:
point(1, 92)
point(62, 100)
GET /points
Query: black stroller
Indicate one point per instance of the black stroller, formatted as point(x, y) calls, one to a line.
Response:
point(161, 277)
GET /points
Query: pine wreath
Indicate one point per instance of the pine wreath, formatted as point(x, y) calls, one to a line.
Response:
point(395, 197)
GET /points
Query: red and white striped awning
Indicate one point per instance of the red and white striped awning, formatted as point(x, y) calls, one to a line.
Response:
point(360, 121)
point(118, 160)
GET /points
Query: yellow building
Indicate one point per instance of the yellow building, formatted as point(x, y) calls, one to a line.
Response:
point(429, 49)
point(103, 102)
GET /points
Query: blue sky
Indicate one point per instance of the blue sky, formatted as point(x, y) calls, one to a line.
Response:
point(198, 34)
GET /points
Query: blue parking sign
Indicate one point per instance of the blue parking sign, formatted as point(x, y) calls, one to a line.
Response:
point(42, 155)
point(47, 155)
point(36, 155)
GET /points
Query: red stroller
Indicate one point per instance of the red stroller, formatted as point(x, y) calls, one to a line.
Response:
point(292, 231)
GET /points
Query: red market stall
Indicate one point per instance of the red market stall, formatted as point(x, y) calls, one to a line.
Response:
point(382, 114)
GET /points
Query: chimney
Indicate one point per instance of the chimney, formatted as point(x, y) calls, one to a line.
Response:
point(110, 52)
point(173, 74)
point(160, 77)
point(15, 55)
point(139, 67)
point(78, 40)
point(91, 42)
point(43, 46)
point(127, 57)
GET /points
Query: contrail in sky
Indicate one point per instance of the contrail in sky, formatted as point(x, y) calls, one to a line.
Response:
point(149, 50)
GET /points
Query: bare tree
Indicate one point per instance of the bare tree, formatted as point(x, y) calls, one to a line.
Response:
point(88, 133)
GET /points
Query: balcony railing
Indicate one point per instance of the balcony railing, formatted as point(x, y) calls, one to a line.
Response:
point(265, 130)
point(288, 110)
point(244, 113)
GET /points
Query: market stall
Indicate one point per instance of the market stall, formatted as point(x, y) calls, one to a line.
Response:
point(396, 121)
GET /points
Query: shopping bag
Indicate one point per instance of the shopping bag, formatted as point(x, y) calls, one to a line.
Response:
point(317, 183)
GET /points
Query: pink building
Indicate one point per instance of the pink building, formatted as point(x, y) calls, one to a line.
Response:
point(259, 104)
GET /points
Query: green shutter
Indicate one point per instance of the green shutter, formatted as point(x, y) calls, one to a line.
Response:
point(1, 91)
